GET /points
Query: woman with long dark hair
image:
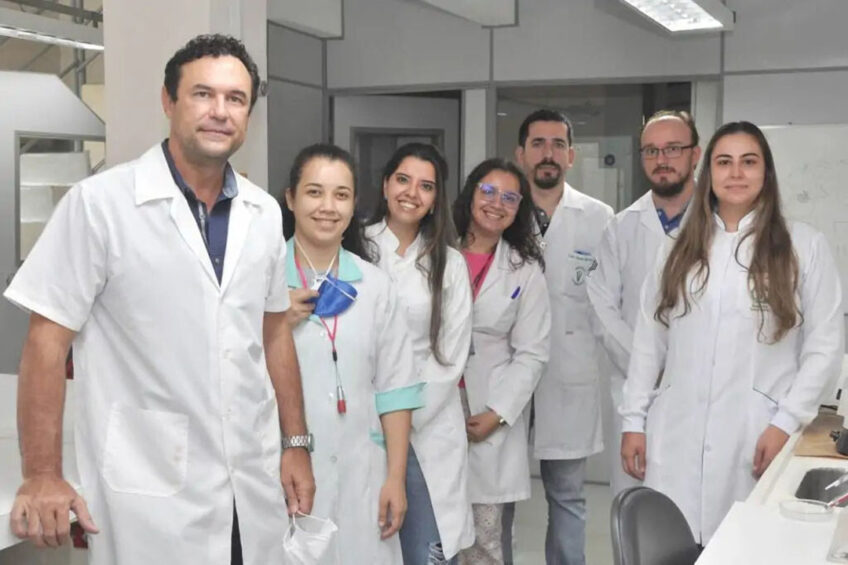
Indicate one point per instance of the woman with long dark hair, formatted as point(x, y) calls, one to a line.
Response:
point(509, 348)
point(414, 234)
point(739, 335)
point(359, 383)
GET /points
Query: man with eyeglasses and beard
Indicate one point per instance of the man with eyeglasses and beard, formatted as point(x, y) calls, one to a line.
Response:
point(567, 402)
point(628, 251)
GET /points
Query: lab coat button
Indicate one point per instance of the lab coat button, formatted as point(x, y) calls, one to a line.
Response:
point(333, 459)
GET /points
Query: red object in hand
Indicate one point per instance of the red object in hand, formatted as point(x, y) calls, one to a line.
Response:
point(78, 537)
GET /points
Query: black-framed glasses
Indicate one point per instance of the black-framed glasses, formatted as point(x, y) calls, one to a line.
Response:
point(490, 193)
point(670, 151)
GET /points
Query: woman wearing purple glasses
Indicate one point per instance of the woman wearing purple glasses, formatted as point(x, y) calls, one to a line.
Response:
point(509, 348)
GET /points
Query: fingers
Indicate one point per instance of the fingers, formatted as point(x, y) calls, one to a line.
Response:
point(80, 508)
point(305, 495)
point(63, 527)
point(383, 514)
point(291, 494)
point(639, 464)
point(19, 517)
point(396, 512)
point(759, 459)
point(34, 528)
point(48, 525)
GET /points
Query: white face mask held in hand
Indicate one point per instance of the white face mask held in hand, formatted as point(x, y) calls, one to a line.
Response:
point(307, 540)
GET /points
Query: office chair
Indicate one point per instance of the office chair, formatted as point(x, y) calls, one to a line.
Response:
point(649, 529)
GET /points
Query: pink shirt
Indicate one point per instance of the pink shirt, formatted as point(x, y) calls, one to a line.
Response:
point(478, 266)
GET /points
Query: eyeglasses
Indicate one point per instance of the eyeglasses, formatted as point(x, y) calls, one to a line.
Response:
point(490, 193)
point(670, 151)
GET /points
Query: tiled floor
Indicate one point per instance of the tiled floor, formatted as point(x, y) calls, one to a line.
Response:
point(531, 518)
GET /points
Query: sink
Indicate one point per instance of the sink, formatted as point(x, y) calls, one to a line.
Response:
point(813, 485)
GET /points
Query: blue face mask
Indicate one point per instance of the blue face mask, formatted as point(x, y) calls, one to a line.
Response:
point(334, 297)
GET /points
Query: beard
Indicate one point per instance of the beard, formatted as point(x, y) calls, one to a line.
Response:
point(547, 182)
point(670, 189)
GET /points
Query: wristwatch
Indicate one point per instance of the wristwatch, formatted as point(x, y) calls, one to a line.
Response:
point(305, 441)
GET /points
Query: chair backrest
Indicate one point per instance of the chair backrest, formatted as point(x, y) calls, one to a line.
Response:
point(649, 529)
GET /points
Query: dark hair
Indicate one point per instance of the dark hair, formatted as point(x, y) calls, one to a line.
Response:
point(681, 115)
point(210, 45)
point(353, 239)
point(520, 234)
point(773, 272)
point(544, 115)
point(436, 230)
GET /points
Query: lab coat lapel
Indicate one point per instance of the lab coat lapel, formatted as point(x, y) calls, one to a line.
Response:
point(153, 181)
point(500, 264)
point(648, 214)
point(187, 226)
point(241, 214)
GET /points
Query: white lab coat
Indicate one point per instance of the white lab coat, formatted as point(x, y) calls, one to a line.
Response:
point(176, 416)
point(438, 434)
point(376, 366)
point(722, 385)
point(510, 342)
point(626, 255)
point(568, 399)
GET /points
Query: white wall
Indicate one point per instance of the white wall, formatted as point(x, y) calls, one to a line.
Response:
point(135, 64)
point(772, 57)
point(322, 18)
point(397, 42)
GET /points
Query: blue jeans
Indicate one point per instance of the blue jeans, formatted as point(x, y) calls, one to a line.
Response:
point(419, 535)
point(566, 535)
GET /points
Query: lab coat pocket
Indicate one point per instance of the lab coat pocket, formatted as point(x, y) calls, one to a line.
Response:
point(495, 315)
point(146, 451)
point(578, 265)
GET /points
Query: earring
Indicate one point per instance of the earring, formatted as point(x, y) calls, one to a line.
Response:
point(431, 211)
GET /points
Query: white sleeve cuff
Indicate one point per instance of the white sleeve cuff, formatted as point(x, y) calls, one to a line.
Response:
point(786, 422)
point(633, 424)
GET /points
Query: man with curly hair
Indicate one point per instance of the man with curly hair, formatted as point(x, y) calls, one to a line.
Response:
point(167, 274)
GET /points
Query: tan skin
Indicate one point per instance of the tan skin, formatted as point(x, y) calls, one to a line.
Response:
point(737, 168)
point(489, 219)
point(546, 155)
point(410, 193)
point(323, 205)
point(208, 122)
point(662, 170)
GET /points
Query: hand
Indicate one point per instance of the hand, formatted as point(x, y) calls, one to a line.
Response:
point(298, 482)
point(480, 426)
point(41, 511)
point(770, 443)
point(300, 308)
point(392, 507)
point(633, 449)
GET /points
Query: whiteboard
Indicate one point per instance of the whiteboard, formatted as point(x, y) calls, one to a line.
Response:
point(812, 171)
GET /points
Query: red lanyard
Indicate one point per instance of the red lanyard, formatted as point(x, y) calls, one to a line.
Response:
point(341, 404)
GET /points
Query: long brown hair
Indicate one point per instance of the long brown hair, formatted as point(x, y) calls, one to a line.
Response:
point(773, 272)
point(436, 230)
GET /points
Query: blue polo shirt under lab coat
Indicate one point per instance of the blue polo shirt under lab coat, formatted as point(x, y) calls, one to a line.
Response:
point(215, 224)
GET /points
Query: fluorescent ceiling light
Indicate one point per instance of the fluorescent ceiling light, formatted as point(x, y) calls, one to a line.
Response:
point(23, 25)
point(680, 16)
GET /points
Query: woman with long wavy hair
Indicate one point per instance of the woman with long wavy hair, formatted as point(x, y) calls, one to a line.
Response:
point(415, 238)
point(509, 348)
point(739, 335)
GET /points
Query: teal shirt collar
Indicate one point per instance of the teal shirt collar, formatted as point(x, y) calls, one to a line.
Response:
point(348, 269)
